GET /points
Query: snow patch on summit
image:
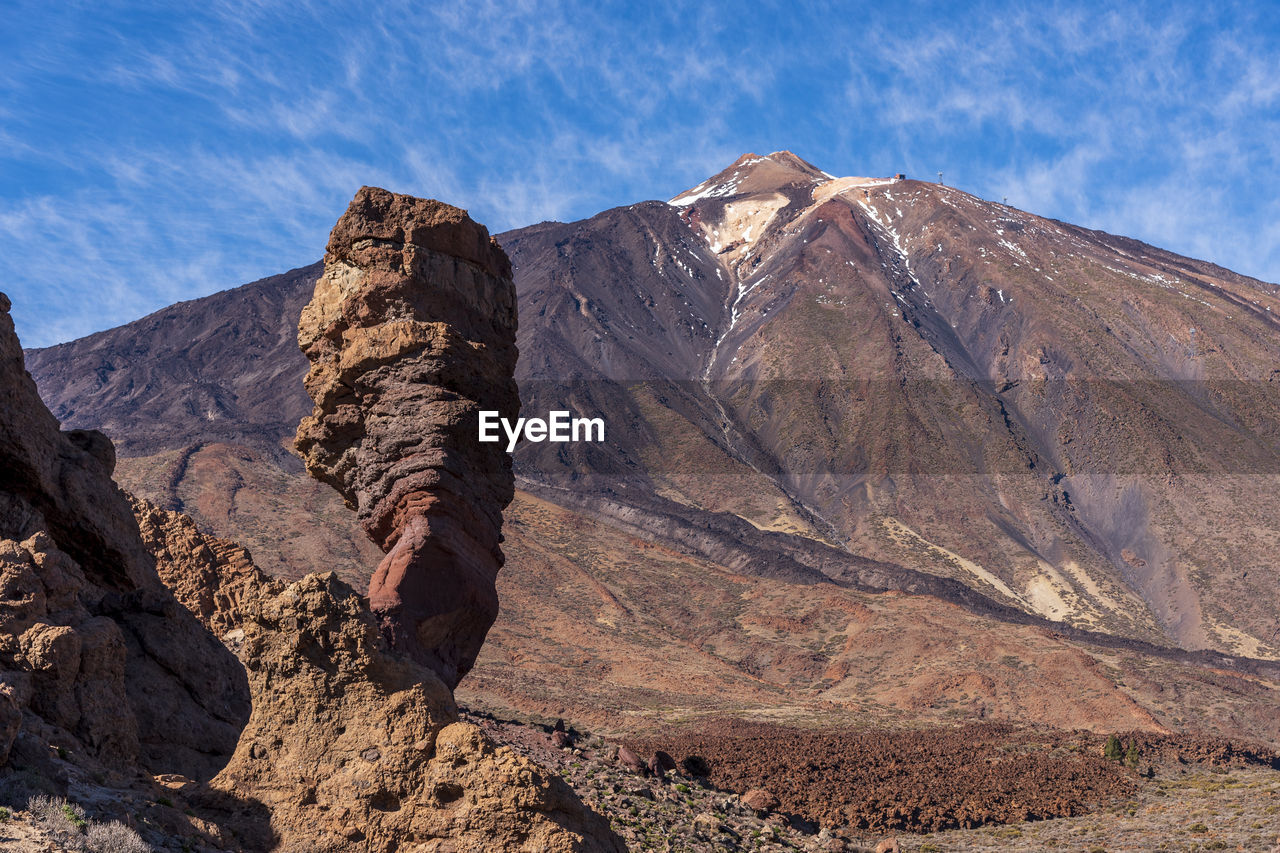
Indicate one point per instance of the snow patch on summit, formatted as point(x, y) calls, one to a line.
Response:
point(837, 186)
point(781, 167)
point(742, 224)
point(706, 189)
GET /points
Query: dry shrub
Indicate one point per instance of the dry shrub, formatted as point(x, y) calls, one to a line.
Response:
point(115, 837)
point(59, 818)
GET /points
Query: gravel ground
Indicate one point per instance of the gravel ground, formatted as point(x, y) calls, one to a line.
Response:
point(1183, 806)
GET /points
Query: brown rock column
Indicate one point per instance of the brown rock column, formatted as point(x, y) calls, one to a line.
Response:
point(411, 333)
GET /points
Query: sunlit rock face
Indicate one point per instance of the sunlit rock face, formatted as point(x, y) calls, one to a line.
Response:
point(410, 333)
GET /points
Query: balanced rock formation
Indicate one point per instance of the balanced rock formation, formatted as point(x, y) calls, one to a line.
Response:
point(354, 742)
point(95, 652)
point(410, 334)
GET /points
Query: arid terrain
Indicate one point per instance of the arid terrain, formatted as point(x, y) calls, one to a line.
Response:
point(881, 458)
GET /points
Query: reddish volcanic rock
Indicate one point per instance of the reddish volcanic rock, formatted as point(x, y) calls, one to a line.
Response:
point(883, 780)
point(410, 333)
point(760, 801)
point(632, 762)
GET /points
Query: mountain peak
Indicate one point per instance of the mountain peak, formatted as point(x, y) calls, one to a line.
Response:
point(753, 173)
point(789, 160)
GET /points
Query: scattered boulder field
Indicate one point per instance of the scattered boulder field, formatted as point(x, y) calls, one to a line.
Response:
point(729, 785)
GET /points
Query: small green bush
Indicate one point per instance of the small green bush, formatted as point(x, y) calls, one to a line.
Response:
point(75, 814)
point(1112, 750)
point(5, 814)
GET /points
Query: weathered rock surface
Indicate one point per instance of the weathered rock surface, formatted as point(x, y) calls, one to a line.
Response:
point(216, 579)
point(410, 333)
point(494, 799)
point(351, 745)
point(354, 741)
point(631, 761)
point(10, 721)
point(94, 651)
point(760, 801)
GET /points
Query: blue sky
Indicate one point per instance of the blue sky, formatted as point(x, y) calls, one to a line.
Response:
point(148, 156)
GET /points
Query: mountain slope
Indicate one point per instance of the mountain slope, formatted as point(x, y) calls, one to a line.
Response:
point(815, 390)
point(919, 376)
point(211, 369)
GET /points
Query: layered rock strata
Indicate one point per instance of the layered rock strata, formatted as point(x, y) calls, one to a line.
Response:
point(410, 333)
point(95, 653)
point(354, 742)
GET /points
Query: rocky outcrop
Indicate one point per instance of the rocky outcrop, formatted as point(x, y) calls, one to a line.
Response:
point(354, 741)
point(95, 652)
point(352, 746)
point(10, 722)
point(215, 579)
point(63, 664)
point(410, 333)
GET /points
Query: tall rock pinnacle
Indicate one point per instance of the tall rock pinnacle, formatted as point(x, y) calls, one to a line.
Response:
point(410, 333)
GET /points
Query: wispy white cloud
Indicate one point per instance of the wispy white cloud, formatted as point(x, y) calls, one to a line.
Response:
point(149, 157)
point(1121, 119)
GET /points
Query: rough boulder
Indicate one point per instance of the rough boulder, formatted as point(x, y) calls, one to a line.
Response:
point(354, 747)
